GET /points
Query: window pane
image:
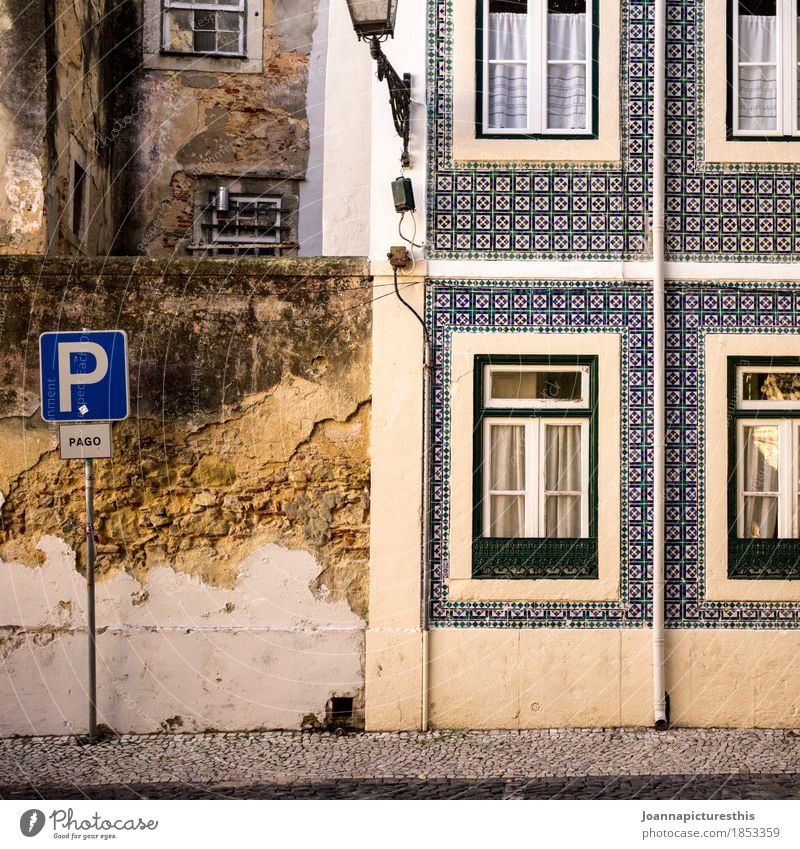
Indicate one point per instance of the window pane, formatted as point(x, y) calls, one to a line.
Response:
point(507, 516)
point(508, 96)
point(771, 386)
point(562, 458)
point(178, 36)
point(760, 458)
point(507, 83)
point(508, 35)
point(760, 517)
point(566, 33)
point(536, 385)
point(507, 457)
point(566, 97)
point(760, 474)
point(563, 516)
point(204, 42)
point(758, 92)
point(228, 42)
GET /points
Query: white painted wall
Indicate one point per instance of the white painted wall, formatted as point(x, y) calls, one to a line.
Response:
point(346, 177)
point(177, 653)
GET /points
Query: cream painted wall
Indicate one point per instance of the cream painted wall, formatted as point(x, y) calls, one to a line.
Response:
point(551, 678)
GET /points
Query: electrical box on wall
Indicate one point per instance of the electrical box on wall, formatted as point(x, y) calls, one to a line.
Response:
point(403, 195)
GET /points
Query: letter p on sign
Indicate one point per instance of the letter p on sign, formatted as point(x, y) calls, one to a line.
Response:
point(68, 378)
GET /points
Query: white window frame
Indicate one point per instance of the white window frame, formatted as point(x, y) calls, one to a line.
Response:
point(788, 474)
point(237, 6)
point(537, 63)
point(534, 491)
point(786, 123)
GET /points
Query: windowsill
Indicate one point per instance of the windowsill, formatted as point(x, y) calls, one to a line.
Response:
point(211, 64)
point(467, 147)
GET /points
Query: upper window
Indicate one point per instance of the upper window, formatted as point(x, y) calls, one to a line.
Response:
point(764, 476)
point(220, 36)
point(765, 68)
point(535, 510)
point(536, 73)
point(207, 27)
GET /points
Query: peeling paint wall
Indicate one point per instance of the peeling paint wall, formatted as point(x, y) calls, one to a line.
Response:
point(232, 522)
point(23, 103)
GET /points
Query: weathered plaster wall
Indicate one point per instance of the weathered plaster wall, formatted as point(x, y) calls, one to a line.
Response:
point(232, 522)
point(224, 124)
point(22, 122)
point(93, 58)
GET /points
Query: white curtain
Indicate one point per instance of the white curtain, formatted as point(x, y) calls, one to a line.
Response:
point(562, 477)
point(508, 83)
point(758, 84)
point(507, 472)
point(760, 475)
point(566, 83)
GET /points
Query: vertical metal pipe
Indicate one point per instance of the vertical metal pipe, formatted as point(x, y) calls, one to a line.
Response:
point(659, 148)
point(426, 528)
point(89, 481)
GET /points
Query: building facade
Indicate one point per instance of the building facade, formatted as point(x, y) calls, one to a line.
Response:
point(534, 156)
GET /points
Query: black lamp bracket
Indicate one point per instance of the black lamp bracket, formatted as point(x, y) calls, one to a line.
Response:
point(399, 95)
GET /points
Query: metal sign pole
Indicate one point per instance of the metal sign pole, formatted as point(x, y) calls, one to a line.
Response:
point(90, 599)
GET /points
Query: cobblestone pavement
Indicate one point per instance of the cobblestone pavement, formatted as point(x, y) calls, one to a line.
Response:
point(596, 763)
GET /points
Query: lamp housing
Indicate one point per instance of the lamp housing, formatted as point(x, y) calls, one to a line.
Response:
point(372, 18)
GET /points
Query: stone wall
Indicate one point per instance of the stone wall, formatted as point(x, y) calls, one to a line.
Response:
point(232, 521)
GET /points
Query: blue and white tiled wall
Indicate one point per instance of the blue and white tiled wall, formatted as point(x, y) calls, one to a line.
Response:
point(519, 210)
point(693, 309)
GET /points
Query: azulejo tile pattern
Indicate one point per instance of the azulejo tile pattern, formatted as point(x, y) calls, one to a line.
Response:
point(526, 210)
point(579, 306)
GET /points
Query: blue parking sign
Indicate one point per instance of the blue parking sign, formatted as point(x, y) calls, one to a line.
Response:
point(84, 376)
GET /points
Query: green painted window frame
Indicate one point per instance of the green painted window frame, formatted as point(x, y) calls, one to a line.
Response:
point(748, 558)
point(533, 557)
point(480, 79)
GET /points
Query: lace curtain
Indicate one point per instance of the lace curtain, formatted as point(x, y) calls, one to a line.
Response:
point(758, 83)
point(508, 71)
point(562, 481)
point(760, 475)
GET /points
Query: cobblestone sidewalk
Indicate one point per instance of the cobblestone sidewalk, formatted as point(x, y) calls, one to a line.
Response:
point(582, 763)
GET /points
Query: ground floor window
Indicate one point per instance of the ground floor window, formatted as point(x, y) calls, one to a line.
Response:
point(764, 467)
point(535, 510)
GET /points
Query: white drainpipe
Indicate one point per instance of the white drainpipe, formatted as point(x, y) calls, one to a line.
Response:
point(659, 88)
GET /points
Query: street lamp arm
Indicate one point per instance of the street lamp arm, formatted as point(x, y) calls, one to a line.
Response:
point(399, 95)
